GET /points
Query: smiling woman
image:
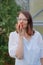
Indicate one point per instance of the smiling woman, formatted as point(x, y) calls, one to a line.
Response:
point(25, 44)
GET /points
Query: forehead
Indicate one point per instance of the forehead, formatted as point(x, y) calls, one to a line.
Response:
point(21, 15)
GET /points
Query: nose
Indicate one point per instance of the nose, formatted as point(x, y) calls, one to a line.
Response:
point(21, 21)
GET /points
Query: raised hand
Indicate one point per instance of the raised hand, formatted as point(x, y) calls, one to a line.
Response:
point(20, 28)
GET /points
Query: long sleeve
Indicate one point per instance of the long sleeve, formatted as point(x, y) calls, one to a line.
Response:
point(12, 44)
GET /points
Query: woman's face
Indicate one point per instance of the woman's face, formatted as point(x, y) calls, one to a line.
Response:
point(22, 19)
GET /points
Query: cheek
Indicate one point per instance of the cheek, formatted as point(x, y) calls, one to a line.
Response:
point(25, 25)
point(19, 23)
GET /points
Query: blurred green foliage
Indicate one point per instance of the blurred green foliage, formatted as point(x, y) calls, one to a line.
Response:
point(8, 13)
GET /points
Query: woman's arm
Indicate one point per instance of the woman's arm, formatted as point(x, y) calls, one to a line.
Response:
point(15, 46)
point(41, 61)
point(19, 50)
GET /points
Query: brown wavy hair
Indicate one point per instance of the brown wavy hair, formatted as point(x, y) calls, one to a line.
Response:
point(29, 28)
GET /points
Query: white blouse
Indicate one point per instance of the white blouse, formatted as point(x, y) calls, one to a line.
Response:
point(33, 49)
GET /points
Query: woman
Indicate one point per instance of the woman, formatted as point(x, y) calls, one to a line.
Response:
point(25, 44)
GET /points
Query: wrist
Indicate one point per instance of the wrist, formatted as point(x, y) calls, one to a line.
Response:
point(20, 36)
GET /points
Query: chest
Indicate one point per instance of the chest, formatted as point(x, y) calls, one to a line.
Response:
point(31, 48)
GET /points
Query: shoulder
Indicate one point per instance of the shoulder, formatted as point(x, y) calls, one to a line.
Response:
point(38, 34)
point(13, 34)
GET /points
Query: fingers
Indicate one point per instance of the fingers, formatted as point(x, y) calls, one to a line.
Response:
point(19, 28)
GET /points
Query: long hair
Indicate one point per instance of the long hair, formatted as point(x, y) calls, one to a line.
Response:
point(29, 27)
